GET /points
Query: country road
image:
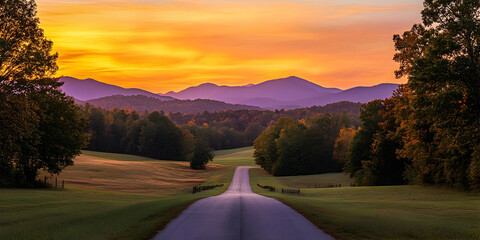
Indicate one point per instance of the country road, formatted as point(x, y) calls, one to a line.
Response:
point(240, 214)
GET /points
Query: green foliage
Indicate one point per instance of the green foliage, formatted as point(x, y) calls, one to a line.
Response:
point(202, 154)
point(441, 59)
point(41, 127)
point(291, 147)
point(429, 131)
point(152, 135)
point(360, 148)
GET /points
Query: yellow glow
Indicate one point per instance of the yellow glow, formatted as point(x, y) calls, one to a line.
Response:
point(170, 45)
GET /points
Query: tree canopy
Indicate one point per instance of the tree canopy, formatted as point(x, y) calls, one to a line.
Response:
point(41, 127)
point(292, 147)
point(429, 131)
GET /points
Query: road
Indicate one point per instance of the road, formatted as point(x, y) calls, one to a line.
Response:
point(240, 214)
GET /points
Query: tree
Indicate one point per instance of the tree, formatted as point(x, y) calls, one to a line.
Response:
point(291, 157)
point(360, 148)
point(41, 127)
point(441, 59)
point(265, 153)
point(342, 144)
point(59, 132)
point(202, 154)
point(292, 147)
point(25, 53)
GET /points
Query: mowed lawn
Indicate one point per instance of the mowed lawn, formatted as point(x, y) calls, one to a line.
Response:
point(381, 212)
point(110, 196)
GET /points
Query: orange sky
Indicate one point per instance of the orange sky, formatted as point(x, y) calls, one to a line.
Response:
point(162, 45)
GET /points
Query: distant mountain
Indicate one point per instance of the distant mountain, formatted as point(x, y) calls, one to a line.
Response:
point(276, 92)
point(284, 93)
point(87, 89)
point(287, 93)
point(142, 103)
point(356, 94)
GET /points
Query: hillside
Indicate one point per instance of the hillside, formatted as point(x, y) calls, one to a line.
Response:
point(87, 89)
point(278, 92)
point(142, 103)
point(284, 93)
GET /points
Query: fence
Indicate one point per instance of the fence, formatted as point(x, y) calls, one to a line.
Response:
point(52, 181)
point(286, 190)
point(328, 185)
point(272, 189)
point(204, 188)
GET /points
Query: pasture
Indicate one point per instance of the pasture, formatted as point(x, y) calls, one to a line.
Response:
point(381, 212)
point(111, 196)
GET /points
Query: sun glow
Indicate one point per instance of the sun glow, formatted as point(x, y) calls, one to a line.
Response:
point(169, 45)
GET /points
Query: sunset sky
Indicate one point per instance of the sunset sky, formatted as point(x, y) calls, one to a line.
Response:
point(162, 45)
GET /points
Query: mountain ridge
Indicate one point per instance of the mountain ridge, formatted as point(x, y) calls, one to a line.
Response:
point(86, 89)
point(142, 103)
point(283, 93)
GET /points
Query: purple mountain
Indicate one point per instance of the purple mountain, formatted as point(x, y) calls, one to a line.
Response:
point(288, 93)
point(281, 91)
point(87, 89)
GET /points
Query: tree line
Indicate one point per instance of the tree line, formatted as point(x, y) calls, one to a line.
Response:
point(110, 130)
point(310, 146)
point(429, 131)
point(152, 135)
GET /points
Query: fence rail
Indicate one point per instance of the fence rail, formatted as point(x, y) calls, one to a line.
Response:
point(272, 189)
point(204, 188)
point(286, 190)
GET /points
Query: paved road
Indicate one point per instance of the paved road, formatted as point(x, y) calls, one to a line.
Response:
point(240, 214)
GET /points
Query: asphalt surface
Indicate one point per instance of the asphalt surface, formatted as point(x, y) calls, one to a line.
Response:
point(240, 214)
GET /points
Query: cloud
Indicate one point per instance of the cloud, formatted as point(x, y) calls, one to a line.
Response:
point(170, 45)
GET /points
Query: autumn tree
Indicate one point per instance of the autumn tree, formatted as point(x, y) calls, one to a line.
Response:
point(342, 144)
point(441, 59)
point(41, 128)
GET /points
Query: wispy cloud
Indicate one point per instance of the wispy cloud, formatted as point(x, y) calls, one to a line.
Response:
point(169, 45)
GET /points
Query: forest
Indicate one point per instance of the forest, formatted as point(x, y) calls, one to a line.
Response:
point(294, 147)
point(124, 131)
point(428, 132)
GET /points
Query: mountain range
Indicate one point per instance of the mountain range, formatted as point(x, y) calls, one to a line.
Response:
point(287, 93)
point(284, 93)
point(87, 89)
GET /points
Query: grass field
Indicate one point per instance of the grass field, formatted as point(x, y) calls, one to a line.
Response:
point(389, 212)
point(118, 196)
point(111, 196)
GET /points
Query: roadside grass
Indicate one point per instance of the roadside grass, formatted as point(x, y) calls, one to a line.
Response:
point(110, 196)
point(386, 212)
point(235, 157)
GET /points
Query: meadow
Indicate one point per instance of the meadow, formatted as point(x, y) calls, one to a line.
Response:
point(380, 212)
point(119, 196)
point(111, 196)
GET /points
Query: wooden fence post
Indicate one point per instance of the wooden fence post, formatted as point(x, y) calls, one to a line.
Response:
point(63, 184)
point(56, 181)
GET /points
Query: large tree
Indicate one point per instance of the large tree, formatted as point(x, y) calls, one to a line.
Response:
point(441, 59)
point(40, 126)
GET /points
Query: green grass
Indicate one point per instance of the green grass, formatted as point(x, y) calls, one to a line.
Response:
point(387, 212)
point(235, 157)
point(111, 196)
